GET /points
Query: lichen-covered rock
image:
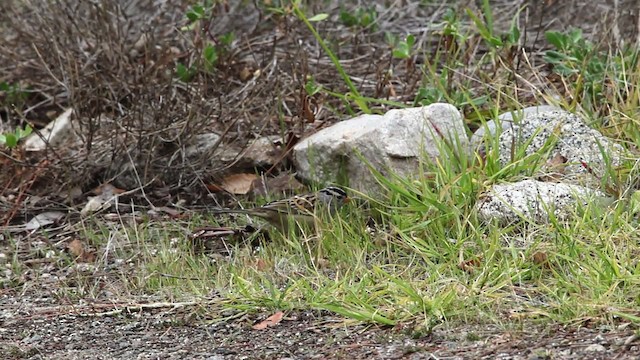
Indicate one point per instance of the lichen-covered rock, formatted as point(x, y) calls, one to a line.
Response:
point(504, 122)
point(566, 135)
point(535, 201)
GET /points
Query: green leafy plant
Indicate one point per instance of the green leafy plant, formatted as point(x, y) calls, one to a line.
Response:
point(354, 94)
point(437, 91)
point(486, 29)
point(573, 54)
point(452, 40)
point(401, 49)
point(212, 53)
point(451, 24)
point(311, 87)
point(185, 73)
point(198, 16)
point(447, 76)
point(12, 94)
point(277, 7)
point(200, 11)
point(210, 57)
point(485, 24)
point(362, 17)
point(591, 70)
point(11, 139)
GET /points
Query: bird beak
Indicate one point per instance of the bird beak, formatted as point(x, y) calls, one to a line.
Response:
point(346, 199)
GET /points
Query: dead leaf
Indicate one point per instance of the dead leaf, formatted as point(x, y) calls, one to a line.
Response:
point(106, 195)
point(284, 183)
point(238, 184)
point(107, 190)
point(55, 133)
point(261, 265)
point(73, 194)
point(541, 258)
point(323, 263)
point(309, 109)
point(214, 188)
point(557, 160)
point(554, 169)
point(392, 90)
point(245, 73)
point(272, 320)
point(469, 265)
point(43, 219)
point(77, 249)
point(172, 212)
point(95, 204)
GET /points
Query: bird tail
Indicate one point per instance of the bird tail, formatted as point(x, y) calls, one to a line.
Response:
point(229, 211)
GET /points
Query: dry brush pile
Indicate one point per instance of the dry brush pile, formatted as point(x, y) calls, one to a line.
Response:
point(150, 81)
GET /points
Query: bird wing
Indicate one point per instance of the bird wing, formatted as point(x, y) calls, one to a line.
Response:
point(297, 205)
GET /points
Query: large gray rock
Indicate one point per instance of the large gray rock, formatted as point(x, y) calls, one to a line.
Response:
point(563, 134)
point(395, 141)
point(535, 201)
point(504, 122)
point(572, 162)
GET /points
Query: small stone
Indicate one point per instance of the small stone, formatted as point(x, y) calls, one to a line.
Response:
point(539, 354)
point(595, 348)
point(216, 357)
point(32, 339)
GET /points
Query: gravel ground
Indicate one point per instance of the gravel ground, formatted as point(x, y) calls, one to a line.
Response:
point(32, 328)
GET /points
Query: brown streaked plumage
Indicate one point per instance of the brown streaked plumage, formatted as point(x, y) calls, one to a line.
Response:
point(300, 208)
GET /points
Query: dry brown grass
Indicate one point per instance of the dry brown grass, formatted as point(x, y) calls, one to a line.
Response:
point(114, 63)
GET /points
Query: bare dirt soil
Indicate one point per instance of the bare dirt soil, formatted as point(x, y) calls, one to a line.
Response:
point(37, 329)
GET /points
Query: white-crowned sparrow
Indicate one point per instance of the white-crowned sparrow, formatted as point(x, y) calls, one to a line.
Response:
point(300, 208)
